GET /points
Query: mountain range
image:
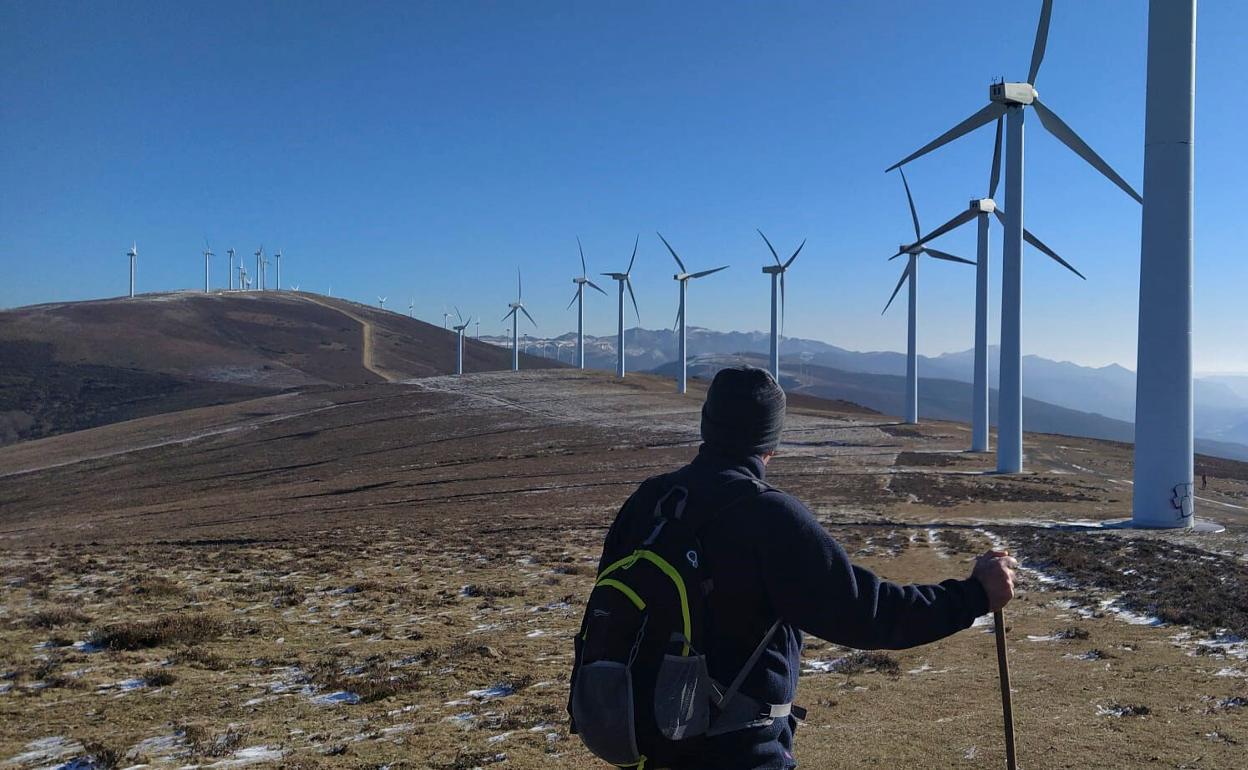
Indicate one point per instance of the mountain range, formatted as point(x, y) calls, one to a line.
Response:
point(1104, 396)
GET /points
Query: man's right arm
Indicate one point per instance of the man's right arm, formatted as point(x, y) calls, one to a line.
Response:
point(813, 585)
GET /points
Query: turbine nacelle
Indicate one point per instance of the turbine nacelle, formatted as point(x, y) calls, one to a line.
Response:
point(1013, 93)
point(912, 249)
point(983, 205)
point(774, 269)
point(682, 276)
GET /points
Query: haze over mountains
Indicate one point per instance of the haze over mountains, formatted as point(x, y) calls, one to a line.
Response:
point(1062, 397)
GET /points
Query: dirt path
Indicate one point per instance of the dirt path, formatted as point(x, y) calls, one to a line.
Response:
point(366, 331)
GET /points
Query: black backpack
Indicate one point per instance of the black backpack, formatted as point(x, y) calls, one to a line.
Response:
point(641, 693)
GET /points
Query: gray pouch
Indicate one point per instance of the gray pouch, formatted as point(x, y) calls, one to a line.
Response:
point(602, 706)
point(682, 697)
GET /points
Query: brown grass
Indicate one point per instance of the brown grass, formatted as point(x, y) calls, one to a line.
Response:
point(161, 632)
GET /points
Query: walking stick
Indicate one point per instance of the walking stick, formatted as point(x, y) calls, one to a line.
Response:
point(1007, 709)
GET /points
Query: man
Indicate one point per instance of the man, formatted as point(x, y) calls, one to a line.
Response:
point(770, 561)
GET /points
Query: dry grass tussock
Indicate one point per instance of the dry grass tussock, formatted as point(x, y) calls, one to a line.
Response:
point(164, 631)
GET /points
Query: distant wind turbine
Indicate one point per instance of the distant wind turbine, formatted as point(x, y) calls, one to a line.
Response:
point(777, 271)
point(517, 307)
point(381, 302)
point(683, 278)
point(133, 254)
point(295, 287)
point(259, 264)
point(623, 280)
point(478, 328)
point(411, 308)
point(445, 317)
point(229, 270)
point(980, 209)
point(278, 257)
point(1009, 100)
point(581, 282)
point(459, 339)
point(911, 274)
point(207, 258)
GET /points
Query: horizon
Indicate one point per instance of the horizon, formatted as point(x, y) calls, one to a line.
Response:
point(438, 139)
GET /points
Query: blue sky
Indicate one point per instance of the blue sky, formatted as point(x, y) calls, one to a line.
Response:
point(427, 150)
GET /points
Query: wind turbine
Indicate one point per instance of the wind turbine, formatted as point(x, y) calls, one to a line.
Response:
point(411, 308)
point(1163, 495)
point(459, 338)
point(581, 282)
point(478, 328)
point(911, 274)
point(259, 263)
point(445, 316)
point(133, 254)
point(242, 276)
point(207, 257)
point(278, 257)
point(295, 287)
point(623, 280)
point(517, 307)
point(684, 277)
point(1009, 100)
point(381, 302)
point(980, 209)
point(777, 319)
point(229, 270)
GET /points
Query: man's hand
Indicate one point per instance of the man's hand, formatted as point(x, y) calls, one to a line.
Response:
point(995, 572)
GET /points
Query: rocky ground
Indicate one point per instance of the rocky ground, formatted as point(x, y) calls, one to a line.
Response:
point(390, 576)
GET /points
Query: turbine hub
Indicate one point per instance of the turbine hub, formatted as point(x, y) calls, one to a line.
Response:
point(984, 205)
point(1012, 93)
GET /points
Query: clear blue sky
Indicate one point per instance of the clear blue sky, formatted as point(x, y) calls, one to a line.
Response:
point(428, 149)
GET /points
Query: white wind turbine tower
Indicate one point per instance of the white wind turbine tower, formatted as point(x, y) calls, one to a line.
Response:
point(259, 264)
point(581, 282)
point(1010, 99)
point(623, 280)
point(684, 277)
point(133, 254)
point(517, 307)
point(478, 328)
point(207, 258)
point(278, 258)
point(381, 302)
point(459, 339)
point(229, 270)
point(911, 274)
point(411, 308)
point(980, 209)
point(445, 317)
point(777, 271)
point(1163, 494)
point(242, 276)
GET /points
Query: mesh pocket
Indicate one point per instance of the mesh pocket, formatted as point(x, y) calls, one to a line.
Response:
point(602, 706)
point(682, 697)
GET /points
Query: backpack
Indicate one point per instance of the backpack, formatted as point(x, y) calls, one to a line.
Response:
point(641, 691)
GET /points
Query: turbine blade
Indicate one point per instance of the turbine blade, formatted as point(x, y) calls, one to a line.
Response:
point(634, 257)
point(952, 224)
point(904, 275)
point(584, 270)
point(799, 251)
point(782, 304)
point(705, 273)
point(994, 177)
point(669, 248)
point(679, 314)
point(596, 286)
point(914, 215)
point(634, 298)
point(1034, 241)
point(773, 248)
point(946, 256)
point(461, 315)
point(1040, 246)
point(991, 112)
point(509, 315)
point(1057, 127)
point(1042, 40)
point(519, 286)
point(573, 302)
point(526, 315)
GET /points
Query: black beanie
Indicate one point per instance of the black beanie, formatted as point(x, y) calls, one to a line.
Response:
point(744, 412)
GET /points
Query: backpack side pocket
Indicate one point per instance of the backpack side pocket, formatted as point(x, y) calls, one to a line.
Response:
point(602, 706)
point(682, 697)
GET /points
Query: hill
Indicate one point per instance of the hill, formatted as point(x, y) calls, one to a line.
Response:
point(69, 366)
